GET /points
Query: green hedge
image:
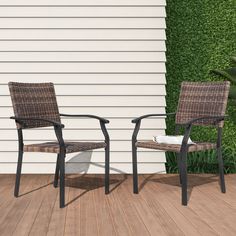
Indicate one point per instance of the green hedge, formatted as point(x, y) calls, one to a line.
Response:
point(201, 35)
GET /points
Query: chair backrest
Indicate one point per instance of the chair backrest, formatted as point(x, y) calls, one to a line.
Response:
point(199, 99)
point(36, 100)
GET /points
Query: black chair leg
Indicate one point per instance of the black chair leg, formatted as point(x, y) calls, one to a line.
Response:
point(135, 171)
point(56, 176)
point(184, 178)
point(107, 168)
point(18, 174)
point(179, 167)
point(221, 170)
point(62, 179)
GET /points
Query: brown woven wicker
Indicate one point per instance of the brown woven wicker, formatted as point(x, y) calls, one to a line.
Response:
point(53, 147)
point(199, 146)
point(198, 99)
point(34, 100)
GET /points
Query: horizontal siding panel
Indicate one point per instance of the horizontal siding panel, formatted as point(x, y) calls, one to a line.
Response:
point(86, 78)
point(84, 2)
point(155, 67)
point(83, 46)
point(104, 112)
point(80, 134)
point(83, 11)
point(85, 157)
point(102, 90)
point(83, 56)
point(83, 23)
point(82, 34)
point(116, 146)
point(93, 101)
point(83, 123)
point(115, 168)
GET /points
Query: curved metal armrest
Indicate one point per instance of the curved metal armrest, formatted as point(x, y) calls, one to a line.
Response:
point(88, 116)
point(216, 118)
point(189, 128)
point(57, 124)
point(150, 115)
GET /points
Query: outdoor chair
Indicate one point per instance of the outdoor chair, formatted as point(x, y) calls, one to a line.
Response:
point(200, 104)
point(35, 106)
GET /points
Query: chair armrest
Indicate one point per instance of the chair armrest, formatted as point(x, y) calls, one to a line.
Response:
point(88, 116)
point(54, 123)
point(150, 115)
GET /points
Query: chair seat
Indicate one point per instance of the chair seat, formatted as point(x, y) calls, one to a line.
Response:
point(199, 146)
point(53, 147)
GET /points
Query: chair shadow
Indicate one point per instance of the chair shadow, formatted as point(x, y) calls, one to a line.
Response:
point(89, 183)
point(173, 180)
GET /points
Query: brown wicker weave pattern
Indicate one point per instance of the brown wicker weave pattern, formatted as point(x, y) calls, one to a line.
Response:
point(198, 99)
point(53, 147)
point(199, 146)
point(34, 100)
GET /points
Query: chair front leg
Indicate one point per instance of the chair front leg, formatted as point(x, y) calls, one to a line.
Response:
point(107, 167)
point(19, 163)
point(179, 167)
point(18, 173)
point(135, 169)
point(56, 176)
point(183, 158)
point(220, 161)
point(62, 179)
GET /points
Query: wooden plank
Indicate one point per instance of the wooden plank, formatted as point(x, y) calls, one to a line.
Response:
point(83, 56)
point(83, 46)
point(82, 23)
point(83, 11)
point(123, 112)
point(80, 134)
point(85, 2)
point(85, 78)
point(152, 67)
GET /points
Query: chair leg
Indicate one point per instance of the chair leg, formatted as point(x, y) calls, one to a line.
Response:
point(135, 171)
point(107, 168)
point(62, 179)
point(18, 174)
point(221, 170)
point(184, 178)
point(55, 183)
point(179, 167)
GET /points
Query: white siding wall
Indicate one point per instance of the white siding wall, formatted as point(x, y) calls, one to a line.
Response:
point(106, 57)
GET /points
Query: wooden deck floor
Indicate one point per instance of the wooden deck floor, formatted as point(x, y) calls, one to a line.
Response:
point(156, 210)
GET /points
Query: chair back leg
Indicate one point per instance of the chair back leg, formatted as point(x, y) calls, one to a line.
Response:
point(107, 168)
point(179, 167)
point(62, 179)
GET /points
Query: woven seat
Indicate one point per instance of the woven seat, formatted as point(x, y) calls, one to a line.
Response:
point(53, 147)
point(199, 146)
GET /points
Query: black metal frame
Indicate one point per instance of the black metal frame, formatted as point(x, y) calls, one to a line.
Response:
point(182, 156)
point(60, 165)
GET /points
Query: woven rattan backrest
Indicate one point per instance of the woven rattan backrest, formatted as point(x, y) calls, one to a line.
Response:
point(199, 99)
point(37, 100)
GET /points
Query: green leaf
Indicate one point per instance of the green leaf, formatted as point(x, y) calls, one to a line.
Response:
point(229, 73)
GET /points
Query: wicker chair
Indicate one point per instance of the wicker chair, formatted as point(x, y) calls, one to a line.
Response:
point(35, 106)
point(201, 104)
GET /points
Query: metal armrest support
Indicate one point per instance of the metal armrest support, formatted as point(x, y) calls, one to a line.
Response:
point(88, 116)
point(102, 122)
